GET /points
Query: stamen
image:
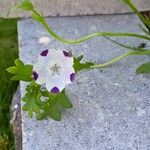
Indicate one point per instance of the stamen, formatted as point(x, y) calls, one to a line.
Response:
point(55, 69)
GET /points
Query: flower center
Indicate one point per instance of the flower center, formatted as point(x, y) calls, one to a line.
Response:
point(55, 69)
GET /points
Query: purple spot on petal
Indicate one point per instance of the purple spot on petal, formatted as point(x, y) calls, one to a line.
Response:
point(44, 53)
point(72, 77)
point(35, 75)
point(55, 90)
point(66, 54)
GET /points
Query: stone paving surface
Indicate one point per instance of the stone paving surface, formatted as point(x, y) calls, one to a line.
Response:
point(111, 106)
point(73, 7)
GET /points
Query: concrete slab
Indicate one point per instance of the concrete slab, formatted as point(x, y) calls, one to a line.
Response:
point(73, 8)
point(111, 105)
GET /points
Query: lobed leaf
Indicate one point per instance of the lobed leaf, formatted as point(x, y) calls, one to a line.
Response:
point(63, 100)
point(145, 68)
point(54, 105)
point(21, 71)
point(31, 99)
point(80, 66)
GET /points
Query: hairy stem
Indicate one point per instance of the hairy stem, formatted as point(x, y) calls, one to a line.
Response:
point(68, 41)
point(88, 37)
point(119, 58)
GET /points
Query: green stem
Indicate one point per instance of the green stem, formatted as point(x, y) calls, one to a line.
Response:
point(68, 41)
point(119, 58)
point(142, 17)
point(126, 46)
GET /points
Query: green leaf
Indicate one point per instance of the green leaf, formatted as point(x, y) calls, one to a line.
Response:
point(41, 116)
point(12, 70)
point(145, 68)
point(45, 93)
point(58, 101)
point(80, 66)
point(63, 100)
point(21, 71)
point(54, 112)
point(54, 104)
point(50, 108)
point(31, 99)
point(36, 16)
point(26, 5)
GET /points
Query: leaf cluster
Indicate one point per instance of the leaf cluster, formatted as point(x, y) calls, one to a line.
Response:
point(43, 104)
point(53, 104)
point(38, 103)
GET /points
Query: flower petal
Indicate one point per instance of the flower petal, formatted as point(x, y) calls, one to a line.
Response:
point(44, 53)
point(41, 72)
point(72, 77)
point(56, 81)
point(67, 54)
point(35, 75)
point(55, 90)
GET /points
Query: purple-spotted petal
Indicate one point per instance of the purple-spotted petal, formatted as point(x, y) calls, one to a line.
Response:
point(72, 77)
point(44, 53)
point(66, 54)
point(35, 75)
point(55, 70)
point(55, 90)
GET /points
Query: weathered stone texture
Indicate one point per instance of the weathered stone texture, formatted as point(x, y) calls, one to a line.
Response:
point(111, 105)
point(73, 7)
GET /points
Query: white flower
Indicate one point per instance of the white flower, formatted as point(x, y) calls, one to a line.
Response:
point(55, 69)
